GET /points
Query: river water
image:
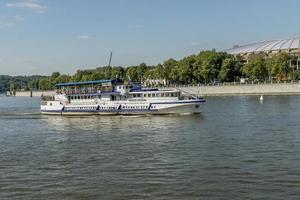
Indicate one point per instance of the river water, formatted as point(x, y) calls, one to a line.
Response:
point(238, 148)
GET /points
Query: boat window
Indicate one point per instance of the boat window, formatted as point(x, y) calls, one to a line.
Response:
point(145, 95)
point(149, 95)
point(138, 95)
point(157, 94)
point(153, 95)
point(134, 95)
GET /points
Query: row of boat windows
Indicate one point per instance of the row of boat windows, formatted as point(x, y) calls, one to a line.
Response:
point(153, 95)
point(135, 107)
point(84, 97)
point(125, 87)
point(148, 95)
point(81, 108)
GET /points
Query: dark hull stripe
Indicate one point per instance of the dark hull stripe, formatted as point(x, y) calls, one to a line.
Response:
point(98, 111)
point(66, 110)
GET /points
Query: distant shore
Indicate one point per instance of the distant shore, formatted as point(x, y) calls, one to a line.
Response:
point(245, 89)
point(215, 90)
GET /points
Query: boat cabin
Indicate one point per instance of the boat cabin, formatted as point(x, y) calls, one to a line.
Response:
point(109, 90)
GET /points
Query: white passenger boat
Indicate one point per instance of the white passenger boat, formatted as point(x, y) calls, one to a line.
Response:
point(113, 97)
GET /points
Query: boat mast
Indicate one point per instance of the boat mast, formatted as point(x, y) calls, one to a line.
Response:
point(110, 59)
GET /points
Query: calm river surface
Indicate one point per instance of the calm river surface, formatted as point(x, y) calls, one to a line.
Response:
point(237, 149)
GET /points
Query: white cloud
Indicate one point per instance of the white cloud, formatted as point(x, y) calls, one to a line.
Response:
point(33, 5)
point(9, 21)
point(18, 18)
point(85, 37)
point(6, 24)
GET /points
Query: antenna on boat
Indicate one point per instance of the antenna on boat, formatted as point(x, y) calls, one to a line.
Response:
point(110, 59)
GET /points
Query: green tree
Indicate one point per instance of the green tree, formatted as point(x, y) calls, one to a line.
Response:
point(77, 76)
point(117, 72)
point(256, 67)
point(279, 66)
point(230, 69)
point(208, 65)
point(159, 72)
point(185, 69)
point(132, 74)
point(45, 84)
point(169, 65)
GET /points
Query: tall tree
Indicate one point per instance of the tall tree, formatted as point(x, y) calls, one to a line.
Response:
point(279, 66)
point(256, 67)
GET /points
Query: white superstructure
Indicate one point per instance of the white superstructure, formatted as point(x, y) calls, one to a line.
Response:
point(113, 97)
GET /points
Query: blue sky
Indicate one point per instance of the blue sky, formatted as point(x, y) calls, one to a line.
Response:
point(42, 36)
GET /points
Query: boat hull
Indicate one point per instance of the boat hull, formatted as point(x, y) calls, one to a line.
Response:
point(156, 108)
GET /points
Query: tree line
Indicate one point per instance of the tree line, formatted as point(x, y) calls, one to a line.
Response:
point(19, 82)
point(204, 67)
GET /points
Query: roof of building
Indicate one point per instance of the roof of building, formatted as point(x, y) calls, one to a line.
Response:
point(267, 46)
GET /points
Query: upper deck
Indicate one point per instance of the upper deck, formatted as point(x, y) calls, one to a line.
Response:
point(88, 87)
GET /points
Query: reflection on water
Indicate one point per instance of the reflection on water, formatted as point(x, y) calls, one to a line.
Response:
point(237, 149)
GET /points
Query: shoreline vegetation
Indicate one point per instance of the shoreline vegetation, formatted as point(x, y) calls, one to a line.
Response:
point(206, 67)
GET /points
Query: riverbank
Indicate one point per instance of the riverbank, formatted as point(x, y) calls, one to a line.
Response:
point(30, 93)
point(215, 90)
point(247, 89)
